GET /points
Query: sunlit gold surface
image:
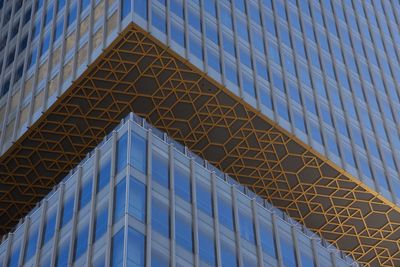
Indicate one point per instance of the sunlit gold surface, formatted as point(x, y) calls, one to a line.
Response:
point(139, 74)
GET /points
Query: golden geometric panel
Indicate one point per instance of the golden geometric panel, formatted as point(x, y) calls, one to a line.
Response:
point(137, 73)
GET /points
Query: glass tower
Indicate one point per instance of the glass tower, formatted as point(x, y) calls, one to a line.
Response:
point(298, 100)
point(161, 207)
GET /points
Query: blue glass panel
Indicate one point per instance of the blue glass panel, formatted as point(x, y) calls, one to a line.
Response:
point(119, 200)
point(182, 183)
point(85, 193)
point(138, 152)
point(246, 226)
point(71, 15)
point(287, 250)
point(117, 249)
point(49, 227)
point(62, 254)
point(225, 212)
point(160, 169)
point(204, 198)
point(49, 15)
point(158, 259)
point(30, 248)
point(137, 199)
point(85, 4)
point(104, 174)
point(60, 4)
point(159, 20)
point(206, 246)
point(136, 248)
point(81, 241)
point(122, 146)
point(100, 223)
point(184, 234)
point(140, 8)
point(267, 239)
point(160, 217)
point(228, 254)
point(59, 29)
point(126, 7)
point(67, 210)
point(14, 257)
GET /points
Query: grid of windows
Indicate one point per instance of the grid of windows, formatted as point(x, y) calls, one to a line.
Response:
point(220, 224)
point(327, 71)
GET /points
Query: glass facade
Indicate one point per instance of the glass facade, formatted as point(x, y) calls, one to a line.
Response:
point(135, 220)
point(326, 71)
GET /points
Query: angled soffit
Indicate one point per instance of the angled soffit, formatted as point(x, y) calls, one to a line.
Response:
point(137, 73)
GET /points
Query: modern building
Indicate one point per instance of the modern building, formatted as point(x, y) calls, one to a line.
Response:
point(296, 99)
point(162, 207)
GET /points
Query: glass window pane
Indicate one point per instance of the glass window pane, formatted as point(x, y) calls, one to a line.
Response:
point(67, 210)
point(287, 249)
point(81, 241)
point(136, 247)
point(119, 200)
point(117, 250)
point(139, 152)
point(206, 246)
point(62, 254)
point(160, 169)
point(246, 226)
point(104, 174)
point(30, 248)
point(13, 260)
point(182, 183)
point(184, 235)
point(160, 217)
point(204, 198)
point(49, 227)
point(137, 199)
point(228, 254)
point(85, 193)
point(267, 239)
point(158, 259)
point(122, 146)
point(225, 212)
point(100, 224)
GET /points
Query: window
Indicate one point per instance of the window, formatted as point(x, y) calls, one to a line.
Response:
point(33, 57)
point(287, 250)
point(71, 15)
point(140, 8)
point(206, 246)
point(14, 257)
point(85, 193)
point(228, 254)
point(49, 16)
point(136, 248)
point(137, 199)
point(81, 241)
point(119, 200)
point(60, 5)
point(67, 210)
point(100, 223)
point(204, 198)
point(104, 174)
point(306, 255)
point(122, 146)
point(158, 20)
point(30, 248)
point(182, 183)
point(117, 249)
point(225, 212)
point(267, 239)
point(126, 8)
point(159, 259)
point(160, 169)
point(184, 234)
point(160, 217)
point(45, 44)
point(246, 226)
point(139, 152)
point(62, 254)
point(59, 29)
point(84, 4)
point(49, 227)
